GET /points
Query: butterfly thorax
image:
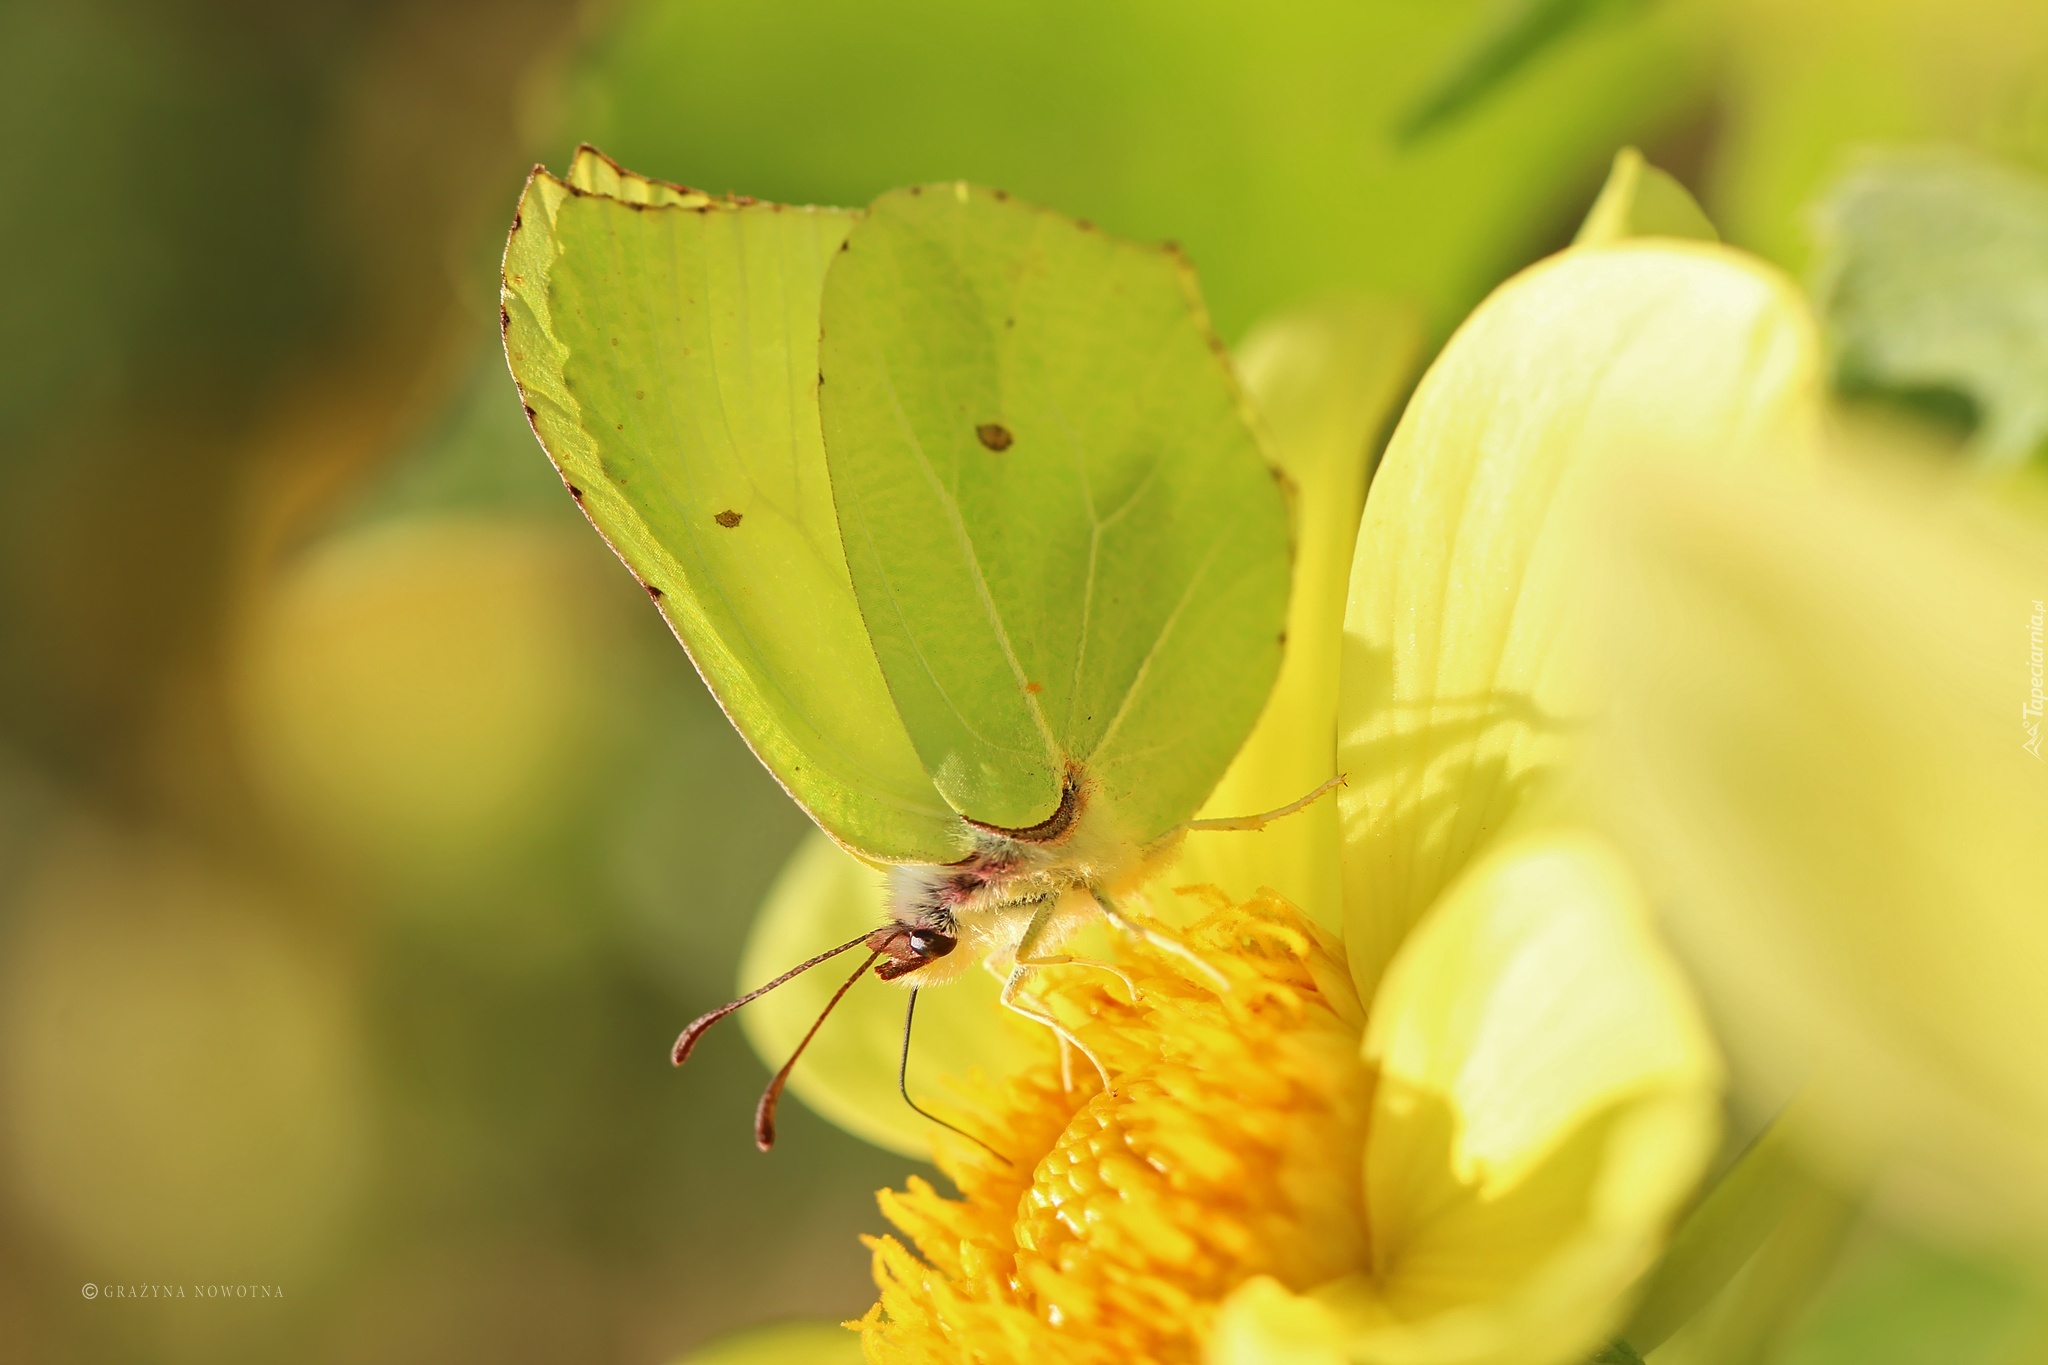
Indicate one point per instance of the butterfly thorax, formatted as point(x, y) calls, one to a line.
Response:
point(985, 903)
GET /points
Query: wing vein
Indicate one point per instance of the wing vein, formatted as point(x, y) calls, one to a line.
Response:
point(958, 526)
point(1152, 652)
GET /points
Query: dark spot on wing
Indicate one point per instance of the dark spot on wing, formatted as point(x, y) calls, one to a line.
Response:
point(917, 189)
point(843, 244)
point(1009, 322)
point(1084, 225)
point(575, 492)
point(517, 219)
point(994, 435)
point(615, 341)
point(1034, 688)
point(504, 317)
point(652, 591)
point(639, 393)
point(728, 518)
point(1002, 196)
point(530, 413)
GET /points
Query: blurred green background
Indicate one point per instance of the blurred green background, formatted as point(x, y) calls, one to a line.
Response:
point(364, 839)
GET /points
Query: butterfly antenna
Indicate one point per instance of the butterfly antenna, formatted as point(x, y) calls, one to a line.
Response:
point(903, 1089)
point(764, 1112)
point(690, 1035)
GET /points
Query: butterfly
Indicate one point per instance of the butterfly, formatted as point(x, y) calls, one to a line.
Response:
point(960, 513)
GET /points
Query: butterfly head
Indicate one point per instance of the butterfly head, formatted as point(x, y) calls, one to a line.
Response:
point(908, 948)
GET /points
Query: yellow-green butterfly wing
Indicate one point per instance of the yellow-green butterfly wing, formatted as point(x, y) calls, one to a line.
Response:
point(666, 346)
point(1063, 536)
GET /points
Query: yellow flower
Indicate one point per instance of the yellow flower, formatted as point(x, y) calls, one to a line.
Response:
point(1121, 1221)
point(1438, 1188)
point(1226, 1166)
point(1476, 1165)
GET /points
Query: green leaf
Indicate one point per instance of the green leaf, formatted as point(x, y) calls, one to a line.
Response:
point(1766, 1210)
point(1639, 200)
point(1520, 34)
point(848, 1075)
point(1065, 541)
point(1617, 1352)
point(1934, 274)
point(1257, 136)
point(1814, 81)
point(785, 1343)
point(1901, 1302)
point(665, 344)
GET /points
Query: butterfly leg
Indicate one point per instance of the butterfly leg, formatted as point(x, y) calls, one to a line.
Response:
point(1012, 999)
point(1263, 818)
point(1068, 960)
point(1165, 943)
point(1013, 1002)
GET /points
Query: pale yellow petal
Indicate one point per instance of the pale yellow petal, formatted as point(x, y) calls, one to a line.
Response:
point(1324, 380)
point(1639, 200)
point(1829, 758)
point(1265, 1324)
point(825, 897)
point(1547, 1098)
point(1460, 687)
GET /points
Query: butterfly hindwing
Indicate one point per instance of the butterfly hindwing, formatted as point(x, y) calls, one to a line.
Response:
point(1063, 536)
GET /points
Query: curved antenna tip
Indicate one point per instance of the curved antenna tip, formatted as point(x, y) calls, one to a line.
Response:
point(687, 1041)
point(764, 1112)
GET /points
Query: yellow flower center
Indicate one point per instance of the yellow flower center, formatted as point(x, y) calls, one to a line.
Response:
point(1229, 1147)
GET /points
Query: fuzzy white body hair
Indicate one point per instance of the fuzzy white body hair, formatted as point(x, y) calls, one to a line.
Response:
point(988, 900)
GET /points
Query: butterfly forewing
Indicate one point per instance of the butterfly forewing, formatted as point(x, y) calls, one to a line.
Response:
point(593, 172)
point(1064, 538)
point(666, 347)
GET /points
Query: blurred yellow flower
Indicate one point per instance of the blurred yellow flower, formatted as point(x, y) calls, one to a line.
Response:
point(1822, 763)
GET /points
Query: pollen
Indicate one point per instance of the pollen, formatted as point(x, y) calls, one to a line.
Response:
point(1228, 1147)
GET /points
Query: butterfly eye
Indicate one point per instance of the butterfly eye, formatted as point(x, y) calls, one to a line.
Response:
point(929, 943)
